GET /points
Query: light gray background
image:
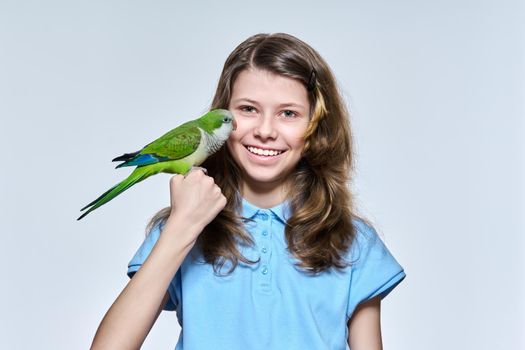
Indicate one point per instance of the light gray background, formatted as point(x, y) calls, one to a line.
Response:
point(436, 90)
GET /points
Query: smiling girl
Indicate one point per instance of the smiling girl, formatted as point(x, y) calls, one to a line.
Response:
point(266, 251)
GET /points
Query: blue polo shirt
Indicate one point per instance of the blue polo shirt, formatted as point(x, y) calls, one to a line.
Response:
point(273, 304)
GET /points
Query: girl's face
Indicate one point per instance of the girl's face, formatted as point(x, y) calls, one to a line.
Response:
point(272, 115)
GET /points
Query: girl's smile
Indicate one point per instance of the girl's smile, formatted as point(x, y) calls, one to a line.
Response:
point(272, 115)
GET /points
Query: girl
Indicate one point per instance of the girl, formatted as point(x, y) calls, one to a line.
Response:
point(266, 250)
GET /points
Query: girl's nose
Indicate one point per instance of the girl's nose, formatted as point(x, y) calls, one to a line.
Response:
point(265, 128)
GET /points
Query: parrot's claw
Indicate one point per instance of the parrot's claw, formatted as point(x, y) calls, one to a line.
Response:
point(198, 168)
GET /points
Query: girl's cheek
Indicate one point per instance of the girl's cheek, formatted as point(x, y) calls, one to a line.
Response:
point(243, 124)
point(236, 134)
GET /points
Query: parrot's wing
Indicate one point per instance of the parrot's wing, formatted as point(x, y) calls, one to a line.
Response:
point(175, 144)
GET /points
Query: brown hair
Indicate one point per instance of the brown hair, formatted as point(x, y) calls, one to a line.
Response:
point(320, 230)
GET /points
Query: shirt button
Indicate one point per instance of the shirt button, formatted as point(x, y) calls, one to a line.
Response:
point(265, 233)
point(264, 216)
point(264, 250)
point(264, 270)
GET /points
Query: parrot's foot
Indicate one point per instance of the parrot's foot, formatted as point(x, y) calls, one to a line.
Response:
point(193, 168)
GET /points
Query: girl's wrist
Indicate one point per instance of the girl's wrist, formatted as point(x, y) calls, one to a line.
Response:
point(182, 229)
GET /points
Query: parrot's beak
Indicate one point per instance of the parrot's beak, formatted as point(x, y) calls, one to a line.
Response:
point(234, 124)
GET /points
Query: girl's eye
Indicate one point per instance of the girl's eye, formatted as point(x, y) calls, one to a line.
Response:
point(289, 114)
point(248, 109)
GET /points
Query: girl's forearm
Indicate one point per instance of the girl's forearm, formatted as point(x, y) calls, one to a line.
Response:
point(130, 318)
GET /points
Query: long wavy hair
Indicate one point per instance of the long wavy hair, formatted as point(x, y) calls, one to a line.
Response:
point(320, 230)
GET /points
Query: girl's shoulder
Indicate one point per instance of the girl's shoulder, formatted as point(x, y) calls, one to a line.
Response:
point(364, 230)
point(363, 226)
point(365, 241)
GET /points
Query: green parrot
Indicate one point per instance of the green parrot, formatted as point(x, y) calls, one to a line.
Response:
point(175, 152)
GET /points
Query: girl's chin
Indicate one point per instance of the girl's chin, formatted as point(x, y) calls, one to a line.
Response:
point(258, 177)
point(263, 178)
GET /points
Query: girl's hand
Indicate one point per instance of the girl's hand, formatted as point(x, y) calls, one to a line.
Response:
point(195, 200)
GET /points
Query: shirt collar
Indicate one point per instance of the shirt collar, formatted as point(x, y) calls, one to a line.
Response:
point(282, 211)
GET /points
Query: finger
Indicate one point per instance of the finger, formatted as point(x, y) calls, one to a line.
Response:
point(193, 170)
point(188, 173)
point(174, 180)
point(204, 170)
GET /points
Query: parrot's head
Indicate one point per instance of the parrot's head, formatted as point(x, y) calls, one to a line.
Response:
point(219, 123)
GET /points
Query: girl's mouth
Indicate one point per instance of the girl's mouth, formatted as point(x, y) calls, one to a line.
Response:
point(264, 152)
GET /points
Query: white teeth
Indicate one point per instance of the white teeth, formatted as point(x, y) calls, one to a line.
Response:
point(264, 152)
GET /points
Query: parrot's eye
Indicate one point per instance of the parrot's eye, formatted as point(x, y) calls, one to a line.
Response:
point(226, 119)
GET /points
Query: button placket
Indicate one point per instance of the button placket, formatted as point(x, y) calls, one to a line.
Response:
point(265, 249)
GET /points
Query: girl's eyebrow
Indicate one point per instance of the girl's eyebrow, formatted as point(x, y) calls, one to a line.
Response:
point(288, 104)
point(245, 100)
point(291, 104)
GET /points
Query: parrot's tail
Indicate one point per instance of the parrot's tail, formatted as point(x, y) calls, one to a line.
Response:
point(139, 174)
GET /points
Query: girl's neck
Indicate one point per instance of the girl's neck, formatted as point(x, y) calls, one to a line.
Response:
point(265, 196)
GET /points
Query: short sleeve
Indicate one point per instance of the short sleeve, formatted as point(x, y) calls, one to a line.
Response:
point(142, 254)
point(375, 271)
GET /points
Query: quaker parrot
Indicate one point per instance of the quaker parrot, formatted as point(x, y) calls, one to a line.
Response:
point(175, 152)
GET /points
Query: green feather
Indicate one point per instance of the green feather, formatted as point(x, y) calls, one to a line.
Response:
point(177, 143)
point(139, 174)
